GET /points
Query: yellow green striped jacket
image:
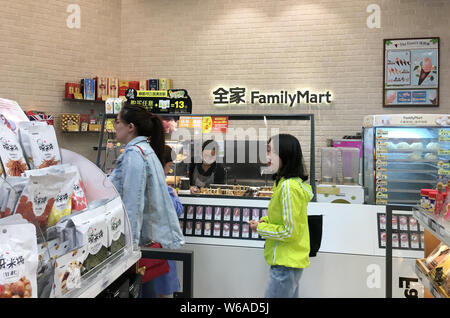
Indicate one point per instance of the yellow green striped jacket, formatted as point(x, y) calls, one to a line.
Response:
point(285, 228)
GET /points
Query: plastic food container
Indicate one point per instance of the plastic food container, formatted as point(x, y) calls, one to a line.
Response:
point(432, 199)
point(424, 200)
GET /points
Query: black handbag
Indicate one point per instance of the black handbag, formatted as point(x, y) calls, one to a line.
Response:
point(315, 223)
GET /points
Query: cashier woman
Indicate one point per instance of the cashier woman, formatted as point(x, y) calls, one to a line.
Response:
point(208, 171)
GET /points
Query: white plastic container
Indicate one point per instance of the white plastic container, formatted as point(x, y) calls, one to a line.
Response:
point(329, 163)
point(350, 165)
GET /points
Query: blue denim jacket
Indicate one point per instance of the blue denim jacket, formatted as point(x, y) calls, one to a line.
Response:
point(129, 179)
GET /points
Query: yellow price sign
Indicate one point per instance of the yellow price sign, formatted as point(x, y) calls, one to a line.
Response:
point(151, 93)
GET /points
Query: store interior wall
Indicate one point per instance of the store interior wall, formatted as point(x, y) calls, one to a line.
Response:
point(202, 45)
point(39, 53)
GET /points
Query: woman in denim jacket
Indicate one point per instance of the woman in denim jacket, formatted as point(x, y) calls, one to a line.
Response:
point(143, 134)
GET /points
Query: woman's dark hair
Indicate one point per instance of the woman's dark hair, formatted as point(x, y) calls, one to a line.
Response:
point(288, 148)
point(211, 144)
point(147, 125)
point(169, 155)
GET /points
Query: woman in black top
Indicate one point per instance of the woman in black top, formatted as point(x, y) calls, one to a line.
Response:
point(209, 171)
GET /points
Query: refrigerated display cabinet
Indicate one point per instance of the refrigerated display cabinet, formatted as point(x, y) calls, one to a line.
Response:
point(403, 154)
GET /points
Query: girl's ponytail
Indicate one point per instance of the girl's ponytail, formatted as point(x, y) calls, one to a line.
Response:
point(157, 137)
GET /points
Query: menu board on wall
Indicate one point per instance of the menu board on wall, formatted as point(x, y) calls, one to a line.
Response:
point(411, 72)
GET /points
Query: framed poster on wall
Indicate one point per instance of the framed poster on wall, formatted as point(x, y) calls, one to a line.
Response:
point(411, 72)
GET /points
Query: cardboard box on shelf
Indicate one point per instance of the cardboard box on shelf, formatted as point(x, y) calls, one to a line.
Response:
point(70, 122)
point(71, 89)
point(134, 84)
point(102, 87)
point(165, 84)
point(84, 122)
point(88, 88)
point(123, 86)
point(95, 127)
point(153, 84)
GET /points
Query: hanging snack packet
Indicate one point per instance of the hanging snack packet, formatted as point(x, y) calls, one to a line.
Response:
point(67, 275)
point(91, 231)
point(79, 201)
point(48, 252)
point(10, 190)
point(24, 138)
point(40, 145)
point(11, 153)
point(37, 199)
point(18, 261)
point(115, 219)
point(63, 200)
point(4, 196)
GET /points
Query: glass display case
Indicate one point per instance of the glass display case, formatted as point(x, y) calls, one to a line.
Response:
point(242, 141)
point(403, 154)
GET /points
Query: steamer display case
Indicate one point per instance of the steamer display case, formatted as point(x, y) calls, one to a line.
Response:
point(403, 154)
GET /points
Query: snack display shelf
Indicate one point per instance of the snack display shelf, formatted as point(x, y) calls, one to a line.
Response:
point(433, 225)
point(93, 283)
point(423, 274)
point(84, 100)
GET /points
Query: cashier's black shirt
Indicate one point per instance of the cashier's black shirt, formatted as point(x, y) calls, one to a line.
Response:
point(214, 175)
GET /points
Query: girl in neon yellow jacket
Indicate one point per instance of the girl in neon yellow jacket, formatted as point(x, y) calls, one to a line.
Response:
point(285, 228)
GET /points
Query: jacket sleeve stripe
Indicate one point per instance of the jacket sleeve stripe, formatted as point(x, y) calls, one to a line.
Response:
point(288, 212)
point(287, 217)
point(311, 195)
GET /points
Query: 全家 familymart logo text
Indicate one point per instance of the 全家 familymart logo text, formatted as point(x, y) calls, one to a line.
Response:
point(241, 96)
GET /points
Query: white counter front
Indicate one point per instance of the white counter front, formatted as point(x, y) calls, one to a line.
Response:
point(350, 262)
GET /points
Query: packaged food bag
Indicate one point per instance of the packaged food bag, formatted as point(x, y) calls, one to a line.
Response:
point(91, 232)
point(438, 254)
point(24, 139)
point(11, 153)
point(63, 200)
point(18, 261)
point(4, 196)
point(40, 145)
point(79, 200)
point(10, 190)
point(48, 252)
point(115, 220)
point(441, 273)
point(36, 203)
point(67, 276)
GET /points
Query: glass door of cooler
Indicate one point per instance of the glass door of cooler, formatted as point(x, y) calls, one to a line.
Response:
point(408, 159)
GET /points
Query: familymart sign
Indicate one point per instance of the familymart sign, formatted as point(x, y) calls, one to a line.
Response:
point(240, 96)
